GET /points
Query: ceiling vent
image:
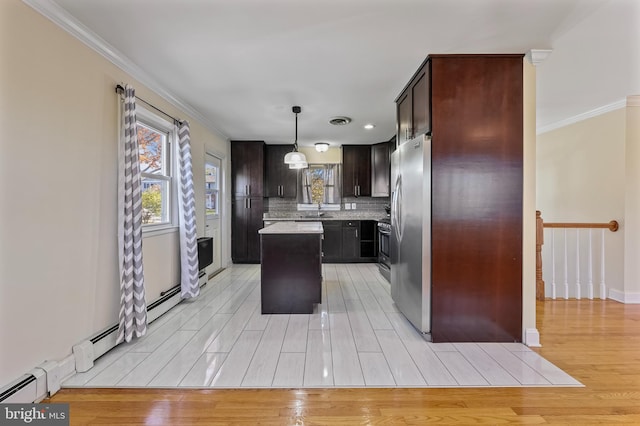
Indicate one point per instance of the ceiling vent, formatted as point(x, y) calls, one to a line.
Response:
point(340, 121)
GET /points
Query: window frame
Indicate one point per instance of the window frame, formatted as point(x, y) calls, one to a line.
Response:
point(161, 125)
point(216, 191)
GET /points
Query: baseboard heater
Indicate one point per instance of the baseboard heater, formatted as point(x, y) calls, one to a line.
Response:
point(34, 387)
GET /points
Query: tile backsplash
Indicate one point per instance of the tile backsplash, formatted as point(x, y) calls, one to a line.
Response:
point(362, 205)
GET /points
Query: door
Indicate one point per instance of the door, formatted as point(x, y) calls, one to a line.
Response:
point(213, 197)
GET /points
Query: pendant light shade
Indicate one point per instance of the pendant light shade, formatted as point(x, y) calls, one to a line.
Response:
point(295, 159)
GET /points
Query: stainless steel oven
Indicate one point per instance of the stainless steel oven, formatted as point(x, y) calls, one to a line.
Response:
point(384, 261)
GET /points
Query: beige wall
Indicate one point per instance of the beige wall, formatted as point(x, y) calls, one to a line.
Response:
point(632, 202)
point(58, 164)
point(581, 178)
point(528, 203)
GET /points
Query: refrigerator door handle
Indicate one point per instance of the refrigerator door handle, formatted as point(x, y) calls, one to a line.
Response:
point(396, 217)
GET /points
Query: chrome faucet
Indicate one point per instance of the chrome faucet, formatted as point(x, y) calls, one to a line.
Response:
point(319, 214)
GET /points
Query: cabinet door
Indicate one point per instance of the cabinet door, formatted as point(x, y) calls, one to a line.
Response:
point(356, 170)
point(239, 229)
point(350, 240)
point(254, 224)
point(404, 113)
point(247, 168)
point(240, 169)
point(280, 179)
point(380, 169)
point(332, 241)
point(421, 101)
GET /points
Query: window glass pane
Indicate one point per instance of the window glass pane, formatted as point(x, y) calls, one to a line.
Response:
point(211, 176)
point(317, 185)
point(150, 148)
point(211, 200)
point(154, 201)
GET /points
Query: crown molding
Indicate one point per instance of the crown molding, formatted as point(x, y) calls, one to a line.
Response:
point(583, 116)
point(538, 56)
point(70, 24)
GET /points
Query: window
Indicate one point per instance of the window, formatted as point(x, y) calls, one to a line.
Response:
point(154, 149)
point(211, 188)
point(319, 187)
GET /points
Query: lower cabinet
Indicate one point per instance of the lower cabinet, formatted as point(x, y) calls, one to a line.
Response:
point(349, 241)
point(246, 220)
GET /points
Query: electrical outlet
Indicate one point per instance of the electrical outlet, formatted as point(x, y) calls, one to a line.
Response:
point(347, 206)
point(353, 206)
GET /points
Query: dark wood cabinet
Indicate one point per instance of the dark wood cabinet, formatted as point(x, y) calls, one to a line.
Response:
point(413, 106)
point(281, 181)
point(380, 169)
point(351, 240)
point(247, 168)
point(247, 207)
point(332, 241)
point(474, 111)
point(356, 170)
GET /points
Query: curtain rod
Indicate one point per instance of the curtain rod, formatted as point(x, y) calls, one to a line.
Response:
point(120, 90)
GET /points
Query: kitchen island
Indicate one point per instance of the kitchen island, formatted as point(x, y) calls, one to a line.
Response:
point(291, 267)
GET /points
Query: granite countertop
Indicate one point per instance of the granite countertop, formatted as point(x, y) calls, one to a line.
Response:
point(289, 227)
point(328, 215)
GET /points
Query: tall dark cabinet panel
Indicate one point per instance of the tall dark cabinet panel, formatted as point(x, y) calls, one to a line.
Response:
point(356, 170)
point(280, 179)
point(477, 198)
point(380, 169)
point(247, 185)
point(474, 111)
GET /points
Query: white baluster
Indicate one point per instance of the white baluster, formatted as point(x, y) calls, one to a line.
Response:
point(553, 264)
point(590, 272)
point(577, 263)
point(603, 289)
point(566, 267)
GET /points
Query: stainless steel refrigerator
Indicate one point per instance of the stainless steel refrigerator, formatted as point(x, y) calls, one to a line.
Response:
point(411, 231)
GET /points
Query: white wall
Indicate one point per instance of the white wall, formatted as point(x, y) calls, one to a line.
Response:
point(581, 178)
point(58, 164)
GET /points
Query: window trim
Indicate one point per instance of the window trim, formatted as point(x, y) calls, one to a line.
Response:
point(153, 120)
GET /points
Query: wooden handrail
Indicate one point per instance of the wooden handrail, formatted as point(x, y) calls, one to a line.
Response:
point(612, 226)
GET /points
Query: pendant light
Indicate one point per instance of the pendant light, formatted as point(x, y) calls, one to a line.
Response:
point(296, 159)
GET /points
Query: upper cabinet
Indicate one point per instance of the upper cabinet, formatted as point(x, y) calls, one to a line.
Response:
point(281, 180)
point(247, 164)
point(380, 169)
point(356, 170)
point(414, 105)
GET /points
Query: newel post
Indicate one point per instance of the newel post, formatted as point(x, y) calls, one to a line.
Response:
point(539, 243)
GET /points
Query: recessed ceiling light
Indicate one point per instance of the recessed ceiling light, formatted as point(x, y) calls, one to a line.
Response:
point(340, 121)
point(369, 126)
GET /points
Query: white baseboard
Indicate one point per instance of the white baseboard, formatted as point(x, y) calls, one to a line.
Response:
point(532, 337)
point(624, 297)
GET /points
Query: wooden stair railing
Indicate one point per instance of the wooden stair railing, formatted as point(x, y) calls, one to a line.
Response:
point(540, 225)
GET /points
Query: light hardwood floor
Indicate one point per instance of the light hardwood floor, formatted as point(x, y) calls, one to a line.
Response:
point(596, 342)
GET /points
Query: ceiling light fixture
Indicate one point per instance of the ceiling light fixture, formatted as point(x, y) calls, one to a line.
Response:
point(296, 159)
point(369, 126)
point(322, 146)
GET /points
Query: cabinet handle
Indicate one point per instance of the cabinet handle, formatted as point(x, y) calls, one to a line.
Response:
point(246, 203)
point(249, 193)
point(249, 202)
point(356, 233)
point(246, 190)
point(281, 189)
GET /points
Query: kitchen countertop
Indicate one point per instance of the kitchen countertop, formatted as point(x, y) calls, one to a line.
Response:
point(326, 216)
point(288, 227)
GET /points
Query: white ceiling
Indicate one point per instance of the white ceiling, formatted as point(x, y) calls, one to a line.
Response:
point(244, 63)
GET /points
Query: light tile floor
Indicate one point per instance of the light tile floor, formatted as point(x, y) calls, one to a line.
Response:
point(355, 338)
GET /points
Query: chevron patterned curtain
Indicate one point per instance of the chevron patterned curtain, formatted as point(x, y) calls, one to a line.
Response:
point(133, 308)
point(189, 285)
